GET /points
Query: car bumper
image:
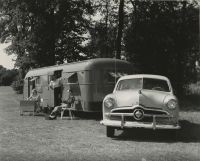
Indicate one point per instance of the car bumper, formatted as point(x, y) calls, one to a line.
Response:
point(136, 124)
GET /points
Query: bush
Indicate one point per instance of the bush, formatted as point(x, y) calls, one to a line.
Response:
point(191, 100)
point(7, 76)
point(193, 89)
point(18, 86)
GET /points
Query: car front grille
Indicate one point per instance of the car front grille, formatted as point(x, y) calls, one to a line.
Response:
point(143, 120)
point(149, 113)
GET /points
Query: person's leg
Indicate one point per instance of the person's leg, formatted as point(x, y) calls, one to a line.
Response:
point(55, 111)
point(37, 107)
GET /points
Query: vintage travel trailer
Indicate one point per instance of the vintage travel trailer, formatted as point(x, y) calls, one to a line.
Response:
point(89, 80)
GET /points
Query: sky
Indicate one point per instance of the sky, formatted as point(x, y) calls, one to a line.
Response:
point(6, 60)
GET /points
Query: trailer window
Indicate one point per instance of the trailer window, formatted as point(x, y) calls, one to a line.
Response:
point(73, 84)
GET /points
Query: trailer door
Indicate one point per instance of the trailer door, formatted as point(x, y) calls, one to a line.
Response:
point(55, 91)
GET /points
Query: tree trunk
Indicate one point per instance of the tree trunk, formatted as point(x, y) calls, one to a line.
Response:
point(120, 29)
point(52, 60)
point(106, 36)
point(180, 57)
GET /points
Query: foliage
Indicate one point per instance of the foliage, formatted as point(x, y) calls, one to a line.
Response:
point(190, 101)
point(104, 38)
point(193, 89)
point(11, 77)
point(101, 44)
point(163, 39)
point(7, 76)
point(102, 29)
point(18, 86)
point(44, 32)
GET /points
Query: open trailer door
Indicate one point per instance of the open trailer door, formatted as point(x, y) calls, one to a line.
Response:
point(50, 92)
point(55, 88)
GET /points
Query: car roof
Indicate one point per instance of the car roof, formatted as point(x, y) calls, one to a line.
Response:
point(144, 76)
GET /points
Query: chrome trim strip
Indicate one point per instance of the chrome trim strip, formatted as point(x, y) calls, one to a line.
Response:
point(133, 107)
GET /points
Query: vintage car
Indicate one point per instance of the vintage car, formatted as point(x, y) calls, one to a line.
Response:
point(141, 101)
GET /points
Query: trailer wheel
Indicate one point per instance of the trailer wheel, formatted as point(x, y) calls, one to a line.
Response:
point(110, 131)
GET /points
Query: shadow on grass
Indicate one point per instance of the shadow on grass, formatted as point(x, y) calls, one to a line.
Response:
point(80, 115)
point(190, 102)
point(87, 115)
point(76, 114)
point(189, 132)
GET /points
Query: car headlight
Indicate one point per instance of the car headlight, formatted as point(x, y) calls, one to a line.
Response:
point(172, 104)
point(109, 103)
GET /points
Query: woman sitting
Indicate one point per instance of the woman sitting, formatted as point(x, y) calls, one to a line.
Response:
point(36, 97)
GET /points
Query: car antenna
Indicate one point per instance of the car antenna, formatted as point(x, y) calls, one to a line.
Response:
point(115, 68)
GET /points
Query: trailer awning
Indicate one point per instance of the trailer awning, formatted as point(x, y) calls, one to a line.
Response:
point(33, 79)
point(67, 75)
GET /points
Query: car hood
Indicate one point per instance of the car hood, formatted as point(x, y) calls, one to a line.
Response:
point(146, 98)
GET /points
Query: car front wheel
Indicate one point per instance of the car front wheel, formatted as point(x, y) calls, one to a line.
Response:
point(110, 131)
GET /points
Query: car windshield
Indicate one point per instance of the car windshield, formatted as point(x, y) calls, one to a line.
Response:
point(155, 84)
point(129, 84)
point(146, 83)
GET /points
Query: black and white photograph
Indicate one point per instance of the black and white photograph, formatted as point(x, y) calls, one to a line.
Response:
point(99, 80)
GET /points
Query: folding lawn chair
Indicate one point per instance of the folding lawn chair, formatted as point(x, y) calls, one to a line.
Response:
point(27, 106)
point(70, 110)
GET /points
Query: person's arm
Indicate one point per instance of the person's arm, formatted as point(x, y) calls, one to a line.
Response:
point(73, 99)
point(51, 84)
point(29, 98)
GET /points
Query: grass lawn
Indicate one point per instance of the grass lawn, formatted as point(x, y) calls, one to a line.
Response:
point(29, 138)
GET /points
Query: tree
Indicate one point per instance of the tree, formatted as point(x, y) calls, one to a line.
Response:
point(106, 30)
point(44, 32)
point(7, 76)
point(163, 39)
point(120, 29)
point(102, 29)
